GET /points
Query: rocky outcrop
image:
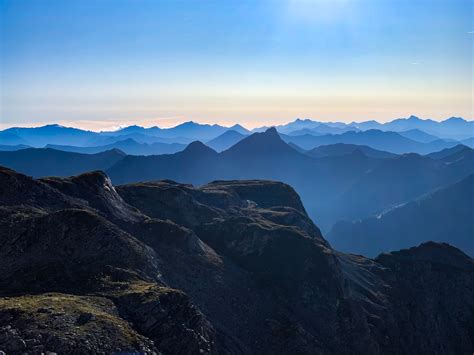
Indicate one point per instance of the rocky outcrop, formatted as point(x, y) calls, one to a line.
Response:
point(229, 267)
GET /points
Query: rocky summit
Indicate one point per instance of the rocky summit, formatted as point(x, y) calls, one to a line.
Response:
point(232, 267)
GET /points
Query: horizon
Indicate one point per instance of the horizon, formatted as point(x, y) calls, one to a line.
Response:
point(90, 64)
point(229, 125)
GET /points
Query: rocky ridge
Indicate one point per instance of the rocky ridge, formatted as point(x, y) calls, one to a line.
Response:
point(229, 267)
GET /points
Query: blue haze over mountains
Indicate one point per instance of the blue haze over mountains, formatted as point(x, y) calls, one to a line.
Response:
point(370, 187)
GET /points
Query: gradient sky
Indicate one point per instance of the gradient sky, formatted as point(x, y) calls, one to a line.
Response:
point(101, 64)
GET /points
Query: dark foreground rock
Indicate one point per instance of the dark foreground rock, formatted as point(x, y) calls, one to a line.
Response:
point(230, 267)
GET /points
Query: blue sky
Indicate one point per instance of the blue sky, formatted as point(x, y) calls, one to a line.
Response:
point(103, 63)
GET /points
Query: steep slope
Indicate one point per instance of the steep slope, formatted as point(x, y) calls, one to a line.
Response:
point(48, 162)
point(399, 180)
point(446, 215)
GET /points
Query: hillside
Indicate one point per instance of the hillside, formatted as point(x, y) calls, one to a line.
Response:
point(445, 215)
point(88, 267)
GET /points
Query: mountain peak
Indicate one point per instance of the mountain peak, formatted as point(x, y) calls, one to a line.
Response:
point(455, 119)
point(272, 131)
point(267, 142)
point(413, 118)
point(198, 147)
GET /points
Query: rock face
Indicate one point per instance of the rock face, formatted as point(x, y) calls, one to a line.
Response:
point(229, 267)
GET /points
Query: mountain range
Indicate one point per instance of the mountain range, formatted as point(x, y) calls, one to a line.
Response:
point(399, 136)
point(227, 267)
point(446, 213)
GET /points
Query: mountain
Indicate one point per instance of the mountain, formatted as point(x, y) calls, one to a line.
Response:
point(445, 215)
point(128, 146)
point(452, 128)
point(140, 138)
point(448, 152)
point(418, 135)
point(297, 148)
point(238, 128)
point(195, 164)
point(386, 141)
point(9, 148)
point(469, 142)
point(9, 138)
point(343, 149)
point(50, 134)
point(49, 162)
point(307, 126)
point(399, 180)
point(229, 267)
point(335, 187)
point(134, 129)
point(225, 140)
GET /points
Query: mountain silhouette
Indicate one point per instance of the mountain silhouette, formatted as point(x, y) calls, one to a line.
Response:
point(445, 215)
point(225, 140)
point(418, 135)
point(399, 180)
point(50, 134)
point(381, 140)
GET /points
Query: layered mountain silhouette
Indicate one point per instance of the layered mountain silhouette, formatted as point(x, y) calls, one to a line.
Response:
point(229, 267)
point(444, 215)
point(334, 187)
point(454, 127)
point(387, 141)
point(128, 146)
point(59, 135)
point(225, 140)
point(419, 136)
point(50, 134)
point(399, 180)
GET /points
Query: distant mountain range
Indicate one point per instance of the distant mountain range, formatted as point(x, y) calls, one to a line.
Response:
point(387, 141)
point(454, 127)
point(446, 215)
point(399, 136)
point(58, 135)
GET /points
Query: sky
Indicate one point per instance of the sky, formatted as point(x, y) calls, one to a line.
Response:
point(108, 63)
